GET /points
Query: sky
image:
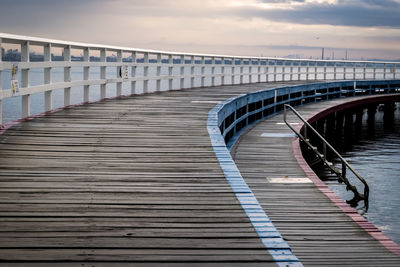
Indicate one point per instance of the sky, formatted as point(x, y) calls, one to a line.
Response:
point(366, 29)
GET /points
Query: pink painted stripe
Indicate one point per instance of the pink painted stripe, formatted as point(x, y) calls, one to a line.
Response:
point(349, 211)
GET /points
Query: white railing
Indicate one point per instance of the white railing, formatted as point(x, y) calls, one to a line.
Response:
point(145, 71)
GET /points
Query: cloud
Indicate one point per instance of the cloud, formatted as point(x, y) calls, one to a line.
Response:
point(359, 13)
point(212, 26)
point(280, 1)
point(379, 3)
point(43, 13)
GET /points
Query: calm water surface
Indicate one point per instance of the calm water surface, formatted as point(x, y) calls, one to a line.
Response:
point(374, 151)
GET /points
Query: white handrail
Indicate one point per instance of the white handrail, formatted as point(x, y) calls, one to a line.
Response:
point(186, 69)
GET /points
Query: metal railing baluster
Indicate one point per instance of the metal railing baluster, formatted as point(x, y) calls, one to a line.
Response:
point(341, 174)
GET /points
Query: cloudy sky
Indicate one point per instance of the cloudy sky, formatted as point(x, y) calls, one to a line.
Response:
point(365, 28)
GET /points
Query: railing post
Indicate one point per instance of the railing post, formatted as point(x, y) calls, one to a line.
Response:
point(354, 70)
point(307, 70)
point(67, 75)
point(213, 71)
point(182, 72)
point(121, 74)
point(192, 67)
point(241, 71)
point(203, 68)
point(283, 70)
point(291, 71)
point(365, 71)
point(267, 71)
point(1, 84)
point(259, 70)
point(275, 70)
point(250, 70)
point(325, 64)
point(384, 71)
point(374, 75)
point(25, 99)
point(145, 72)
point(158, 73)
point(344, 70)
point(334, 70)
point(222, 71)
point(316, 71)
point(170, 72)
point(133, 73)
point(47, 78)
point(233, 71)
point(86, 71)
point(299, 71)
point(103, 74)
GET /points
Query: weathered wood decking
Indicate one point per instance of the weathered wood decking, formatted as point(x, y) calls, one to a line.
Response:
point(132, 180)
point(135, 181)
point(318, 232)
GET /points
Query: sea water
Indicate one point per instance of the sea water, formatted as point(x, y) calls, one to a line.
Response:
point(374, 152)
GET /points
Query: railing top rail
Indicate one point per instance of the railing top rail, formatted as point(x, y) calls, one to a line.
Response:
point(19, 39)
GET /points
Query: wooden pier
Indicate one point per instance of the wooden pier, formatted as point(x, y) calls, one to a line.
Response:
point(125, 180)
point(135, 181)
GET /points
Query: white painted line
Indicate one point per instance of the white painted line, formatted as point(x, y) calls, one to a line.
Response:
point(206, 101)
point(287, 180)
point(284, 135)
point(291, 123)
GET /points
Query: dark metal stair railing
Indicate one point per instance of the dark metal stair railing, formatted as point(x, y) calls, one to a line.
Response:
point(341, 174)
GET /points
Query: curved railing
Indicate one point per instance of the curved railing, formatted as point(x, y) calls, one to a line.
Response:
point(239, 112)
point(234, 115)
point(133, 71)
point(228, 119)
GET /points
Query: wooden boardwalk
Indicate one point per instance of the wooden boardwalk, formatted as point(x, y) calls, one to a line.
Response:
point(318, 232)
point(131, 180)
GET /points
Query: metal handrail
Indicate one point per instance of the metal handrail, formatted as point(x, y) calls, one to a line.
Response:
point(341, 174)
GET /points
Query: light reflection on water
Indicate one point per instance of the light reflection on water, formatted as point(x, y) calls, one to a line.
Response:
point(376, 157)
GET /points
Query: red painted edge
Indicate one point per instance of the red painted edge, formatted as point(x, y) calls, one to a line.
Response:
point(349, 211)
